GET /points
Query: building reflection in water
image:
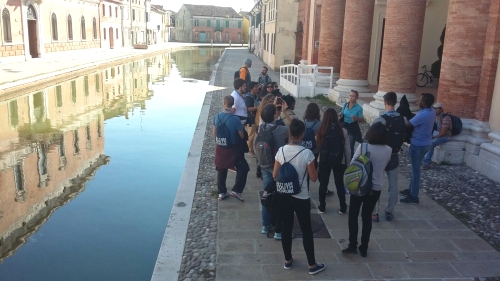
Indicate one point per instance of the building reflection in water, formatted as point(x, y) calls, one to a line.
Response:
point(52, 139)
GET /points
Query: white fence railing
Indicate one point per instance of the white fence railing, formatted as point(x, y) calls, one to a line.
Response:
point(306, 80)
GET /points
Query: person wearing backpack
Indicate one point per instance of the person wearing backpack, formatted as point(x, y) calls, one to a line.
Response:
point(299, 161)
point(334, 155)
point(227, 129)
point(441, 135)
point(243, 73)
point(312, 122)
point(421, 141)
point(269, 138)
point(396, 125)
point(379, 155)
point(264, 77)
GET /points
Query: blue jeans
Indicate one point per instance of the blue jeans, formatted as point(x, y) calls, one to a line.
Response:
point(267, 178)
point(435, 142)
point(416, 154)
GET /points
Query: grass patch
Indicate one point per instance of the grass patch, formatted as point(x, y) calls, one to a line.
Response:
point(322, 100)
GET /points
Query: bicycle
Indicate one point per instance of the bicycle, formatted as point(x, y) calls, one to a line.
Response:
point(423, 78)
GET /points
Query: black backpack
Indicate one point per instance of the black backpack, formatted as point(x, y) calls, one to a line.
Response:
point(287, 182)
point(456, 124)
point(223, 136)
point(332, 149)
point(264, 147)
point(237, 73)
point(309, 139)
point(397, 131)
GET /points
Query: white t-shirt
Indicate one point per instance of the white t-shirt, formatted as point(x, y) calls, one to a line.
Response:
point(300, 163)
point(239, 104)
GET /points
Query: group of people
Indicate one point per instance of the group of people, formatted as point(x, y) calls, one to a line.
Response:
point(315, 147)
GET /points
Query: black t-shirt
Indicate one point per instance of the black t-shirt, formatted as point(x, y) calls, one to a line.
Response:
point(250, 102)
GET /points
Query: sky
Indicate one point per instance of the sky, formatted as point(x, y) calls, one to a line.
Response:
point(175, 5)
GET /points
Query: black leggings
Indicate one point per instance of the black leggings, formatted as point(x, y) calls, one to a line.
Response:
point(242, 170)
point(368, 201)
point(302, 208)
point(324, 178)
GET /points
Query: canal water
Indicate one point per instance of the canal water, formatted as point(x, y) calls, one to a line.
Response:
point(89, 168)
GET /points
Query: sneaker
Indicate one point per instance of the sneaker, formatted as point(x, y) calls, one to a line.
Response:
point(288, 264)
point(342, 211)
point(265, 230)
point(363, 251)
point(409, 199)
point(277, 236)
point(426, 166)
point(350, 250)
point(375, 218)
point(389, 216)
point(321, 210)
point(237, 196)
point(319, 267)
point(405, 192)
point(223, 196)
point(251, 154)
point(329, 193)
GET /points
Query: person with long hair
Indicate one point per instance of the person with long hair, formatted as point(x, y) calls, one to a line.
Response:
point(267, 89)
point(302, 159)
point(312, 119)
point(380, 154)
point(334, 155)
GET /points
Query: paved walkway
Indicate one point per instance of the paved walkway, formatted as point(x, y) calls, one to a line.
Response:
point(423, 242)
point(15, 75)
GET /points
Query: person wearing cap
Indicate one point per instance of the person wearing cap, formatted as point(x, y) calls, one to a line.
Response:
point(244, 72)
point(441, 134)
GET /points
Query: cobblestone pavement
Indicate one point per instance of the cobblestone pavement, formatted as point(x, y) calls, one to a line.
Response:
point(424, 241)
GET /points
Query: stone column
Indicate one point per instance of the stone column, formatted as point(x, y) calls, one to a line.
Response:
point(355, 49)
point(404, 26)
point(331, 35)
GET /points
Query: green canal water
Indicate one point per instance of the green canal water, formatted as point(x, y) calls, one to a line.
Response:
point(89, 168)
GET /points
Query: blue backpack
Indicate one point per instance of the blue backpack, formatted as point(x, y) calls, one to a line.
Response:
point(287, 182)
point(309, 140)
point(223, 136)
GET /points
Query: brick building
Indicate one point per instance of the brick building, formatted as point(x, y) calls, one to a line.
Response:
point(379, 46)
point(204, 23)
point(32, 29)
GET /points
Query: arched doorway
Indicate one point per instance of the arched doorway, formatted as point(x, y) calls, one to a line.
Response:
point(111, 39)
point(218, 37)
point(299, 37)
point(32, 33)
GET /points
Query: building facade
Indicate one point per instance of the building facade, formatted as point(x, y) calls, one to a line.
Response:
point(111, 24)
point(372, 52)
point(205, 24)
point(34, 29)
point(157, 24)
point(138, 30)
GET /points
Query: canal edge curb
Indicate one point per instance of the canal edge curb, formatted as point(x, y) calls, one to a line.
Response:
point(169, 259)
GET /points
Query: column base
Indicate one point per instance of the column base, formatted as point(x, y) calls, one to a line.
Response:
point(487, 162)
point(340, 93)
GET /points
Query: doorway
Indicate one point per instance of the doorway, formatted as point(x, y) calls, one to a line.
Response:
point(203, 37)
point(111, 39)
point(32, 33)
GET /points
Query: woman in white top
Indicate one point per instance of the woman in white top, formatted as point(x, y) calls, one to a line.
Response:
point(302, 159)
point(379, 156)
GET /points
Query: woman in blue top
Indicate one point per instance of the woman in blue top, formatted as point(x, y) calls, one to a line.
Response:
point(352, 113)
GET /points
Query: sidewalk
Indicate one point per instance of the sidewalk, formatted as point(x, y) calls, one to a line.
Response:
point(20, 75)
point(423, 242)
